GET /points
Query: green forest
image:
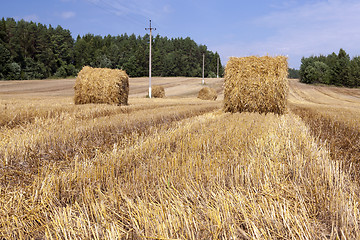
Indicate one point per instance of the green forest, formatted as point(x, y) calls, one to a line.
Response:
point(334, 69)
point(31, 50)
point(293, 73)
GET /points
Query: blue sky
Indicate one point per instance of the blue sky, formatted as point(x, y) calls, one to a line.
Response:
point(294, 28)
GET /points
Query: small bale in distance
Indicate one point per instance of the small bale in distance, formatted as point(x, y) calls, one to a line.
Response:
point(256, 84)
point(101, 85)
point(157, 92)
point(207, 93)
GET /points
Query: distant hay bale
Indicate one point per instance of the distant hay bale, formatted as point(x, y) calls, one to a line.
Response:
point(207, 93)
point(101, 85)
point(256, 84)
point(157, 92)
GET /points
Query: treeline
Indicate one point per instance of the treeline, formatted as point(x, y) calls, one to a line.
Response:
point(334, 69)
point(31, 50)
point(293, 73)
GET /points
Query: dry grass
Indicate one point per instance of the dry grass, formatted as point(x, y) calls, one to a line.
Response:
point(168, 169)
point(332, 115)
point(81, 130)
point(342, 138)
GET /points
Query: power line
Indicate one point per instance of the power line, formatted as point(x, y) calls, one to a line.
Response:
point(115, 10)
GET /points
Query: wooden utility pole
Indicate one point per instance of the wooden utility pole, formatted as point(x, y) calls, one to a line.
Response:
point(217, 72)
point(150, 28)
point(203, 73)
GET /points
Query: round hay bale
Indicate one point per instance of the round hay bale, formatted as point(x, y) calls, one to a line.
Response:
point(101, 85)
point(157, 92)
point(256, 84)
point(207, 93)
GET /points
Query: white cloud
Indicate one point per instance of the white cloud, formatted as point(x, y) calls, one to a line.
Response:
point(312, 28)
point(319, 28)
point(67, 15)
point(132, 9)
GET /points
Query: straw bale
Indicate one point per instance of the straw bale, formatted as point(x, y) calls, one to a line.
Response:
point(101, 85)
point(207, 93)
point(157, 92)
point(256, 84)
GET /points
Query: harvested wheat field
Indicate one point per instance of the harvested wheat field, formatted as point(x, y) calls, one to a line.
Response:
point(179, 167)
point(332, 114)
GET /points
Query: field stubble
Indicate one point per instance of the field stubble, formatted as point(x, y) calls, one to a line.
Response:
point(332, 114)
point(168, 169)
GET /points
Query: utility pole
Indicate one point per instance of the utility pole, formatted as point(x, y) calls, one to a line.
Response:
point(203, 80)
point(217, 72)
point(150, 28)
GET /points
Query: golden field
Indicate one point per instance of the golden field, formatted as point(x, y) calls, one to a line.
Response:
point(178, 167)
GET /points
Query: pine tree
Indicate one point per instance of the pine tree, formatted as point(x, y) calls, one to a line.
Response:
point(342, 69)
point(355, 72)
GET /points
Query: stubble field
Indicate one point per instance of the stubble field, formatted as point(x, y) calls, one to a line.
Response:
point(177, 168)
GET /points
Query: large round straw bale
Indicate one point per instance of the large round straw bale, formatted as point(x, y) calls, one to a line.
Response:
point(101, 85)
point(207, 93)
point(157, 92)
point(256, 84)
